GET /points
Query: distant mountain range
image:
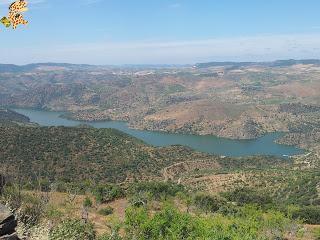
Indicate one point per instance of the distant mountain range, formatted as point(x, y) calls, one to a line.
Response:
point(12, 68)
point(31, 67)
point(278, 63)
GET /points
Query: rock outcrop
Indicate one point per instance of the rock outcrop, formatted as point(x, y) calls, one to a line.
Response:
point(8, 224)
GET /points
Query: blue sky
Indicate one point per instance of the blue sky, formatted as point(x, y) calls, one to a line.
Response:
point(162, 31)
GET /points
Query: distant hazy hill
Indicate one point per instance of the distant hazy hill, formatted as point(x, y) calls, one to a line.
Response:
point(278, 63)
point(34, 66)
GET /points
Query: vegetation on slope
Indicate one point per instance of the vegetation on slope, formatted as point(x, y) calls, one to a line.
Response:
point(155, 210)
point(63, 176)
point(7, 116)
point(84, 154)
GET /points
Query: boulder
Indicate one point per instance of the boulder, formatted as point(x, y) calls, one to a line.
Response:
point(12, 236)
point(8, 224)
point(5, 213)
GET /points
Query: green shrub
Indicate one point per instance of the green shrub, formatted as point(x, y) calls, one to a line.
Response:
point(309, 214)
point(208, 203)
point(157, 190)
point(244, 196)
point(140, 199)
point(106, 211)
point(53, 213)
point(72, 230)
point(317, 234)
point(169, 223)
point(229, 210)
point(31, 210)
point(87, 203)
point(107, 193)
point(11, 196)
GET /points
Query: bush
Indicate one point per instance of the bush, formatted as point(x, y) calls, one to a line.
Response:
point(106, 211)
point(209, 203)
point(309, 214)
point(169, 223)
point(229, 210)
point(12, 196)
point(157, 190)
point(317, 234)
point(107, 193)
point(31, 210)
point(139, 200)
point(53, 213)
point(87, 203)
point(72, 230)
point(244, 196)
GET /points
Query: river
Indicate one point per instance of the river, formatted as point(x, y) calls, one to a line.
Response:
point(208, 144)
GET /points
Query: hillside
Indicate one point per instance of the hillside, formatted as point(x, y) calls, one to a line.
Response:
point(233, 100)
point(58, 176)
point(80, 154)
point(77, 154)
point(7, 115)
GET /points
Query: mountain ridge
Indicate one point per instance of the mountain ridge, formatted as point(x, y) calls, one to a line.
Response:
point(282, 62)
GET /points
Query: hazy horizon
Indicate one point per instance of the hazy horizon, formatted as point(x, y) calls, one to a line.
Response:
point(161, 64)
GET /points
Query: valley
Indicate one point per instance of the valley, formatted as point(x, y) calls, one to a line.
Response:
point(194, 151)
point(231, 100)
point(265, 145)
point(55, 173)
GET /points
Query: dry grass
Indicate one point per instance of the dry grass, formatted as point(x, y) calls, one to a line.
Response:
point(73, 208)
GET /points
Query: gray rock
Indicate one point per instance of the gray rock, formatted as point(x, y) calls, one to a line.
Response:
point(8, 224)
point(4, 213)
point(10, 237)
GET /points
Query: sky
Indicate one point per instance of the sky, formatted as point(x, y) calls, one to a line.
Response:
point(112, 32)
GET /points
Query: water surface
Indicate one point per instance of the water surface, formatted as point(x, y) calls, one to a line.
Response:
point(208, 144)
